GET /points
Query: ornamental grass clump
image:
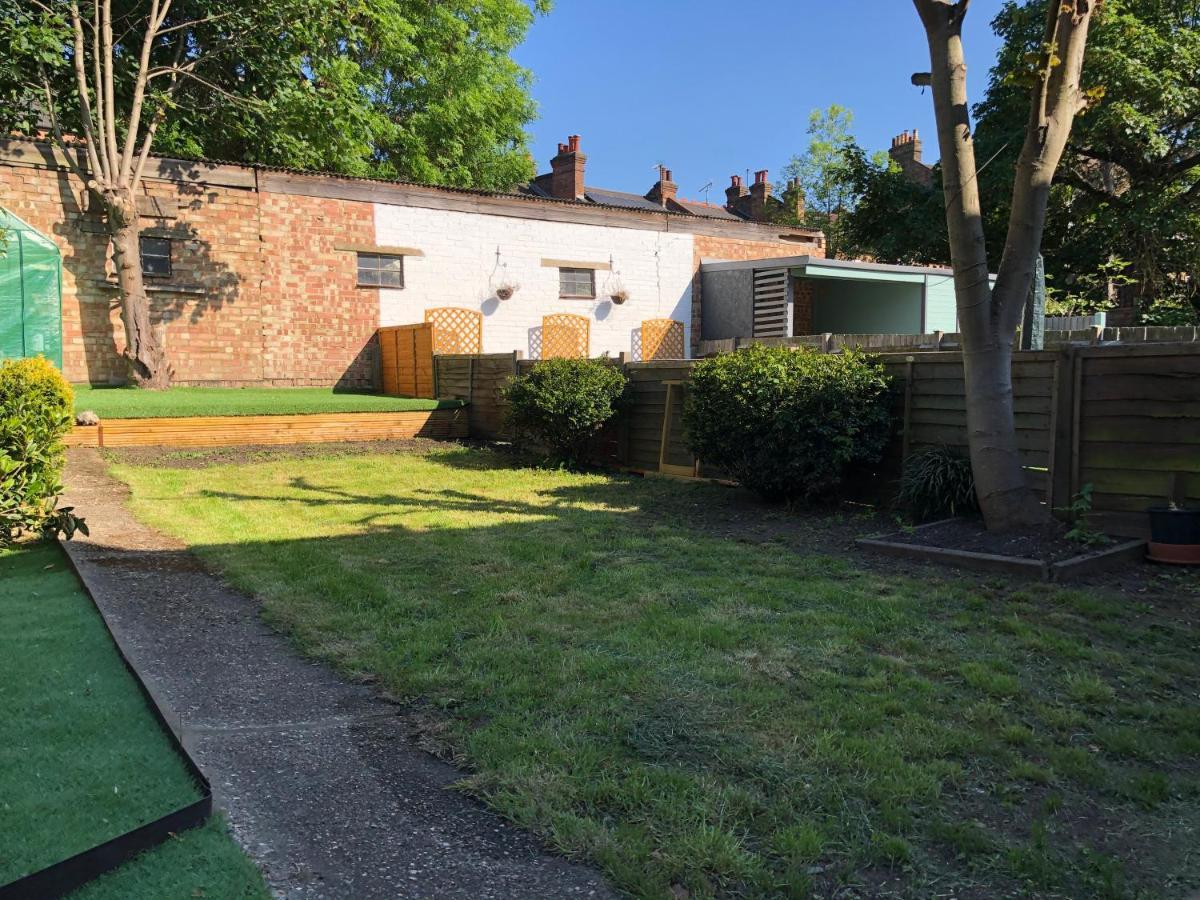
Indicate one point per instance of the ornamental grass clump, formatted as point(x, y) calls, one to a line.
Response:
point(560, 404)
point(937, 481)
point(788, 423)
point(35, 413)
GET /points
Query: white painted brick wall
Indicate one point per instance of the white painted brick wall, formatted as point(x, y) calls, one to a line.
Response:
point(467, 256)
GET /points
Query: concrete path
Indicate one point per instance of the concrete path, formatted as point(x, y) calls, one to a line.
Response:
point(321, 779)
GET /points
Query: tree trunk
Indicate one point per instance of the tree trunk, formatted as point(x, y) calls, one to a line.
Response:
point(1000, 483)
point(144, 353)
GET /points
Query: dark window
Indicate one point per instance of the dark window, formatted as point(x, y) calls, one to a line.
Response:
point(156, 257)
point(576, 283)
point(377, 270)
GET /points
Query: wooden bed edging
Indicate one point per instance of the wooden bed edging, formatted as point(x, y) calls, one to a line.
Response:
point(217, 431)
point(1036, 569)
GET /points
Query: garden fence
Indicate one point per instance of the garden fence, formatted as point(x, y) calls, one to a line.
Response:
point(1125, 419)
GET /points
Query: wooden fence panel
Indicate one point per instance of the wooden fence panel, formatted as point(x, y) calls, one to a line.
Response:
point(1124, 419)
point(1136, 434)
point(406, 360)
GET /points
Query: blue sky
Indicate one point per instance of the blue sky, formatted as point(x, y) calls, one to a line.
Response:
point(712, 88)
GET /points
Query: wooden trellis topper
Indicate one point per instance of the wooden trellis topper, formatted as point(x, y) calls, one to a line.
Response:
point(456, 329)
point(662, 339)
point(565, 335)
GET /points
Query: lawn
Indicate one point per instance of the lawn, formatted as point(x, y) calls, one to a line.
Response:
point(83, 759)
point(131, 403)
point(684, 689)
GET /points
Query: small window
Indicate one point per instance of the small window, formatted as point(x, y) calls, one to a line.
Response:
point(156, 257)
point(577, 283)
point(378, 270)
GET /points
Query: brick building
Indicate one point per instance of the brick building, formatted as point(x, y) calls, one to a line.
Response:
point(267, 276)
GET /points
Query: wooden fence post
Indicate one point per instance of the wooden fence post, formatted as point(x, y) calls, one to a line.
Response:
point(1064, 429)
point(908, 393)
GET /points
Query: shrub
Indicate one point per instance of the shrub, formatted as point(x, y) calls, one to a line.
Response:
point(562, 403)
point(35, 412)
point(937, 481)
point(787, 423)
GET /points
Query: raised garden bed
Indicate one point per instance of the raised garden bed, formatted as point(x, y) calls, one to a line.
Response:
point(1044, 554)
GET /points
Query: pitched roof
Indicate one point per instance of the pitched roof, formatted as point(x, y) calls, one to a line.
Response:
point(701, 208)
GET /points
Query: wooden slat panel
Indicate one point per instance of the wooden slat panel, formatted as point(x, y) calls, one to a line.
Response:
point(291, 429)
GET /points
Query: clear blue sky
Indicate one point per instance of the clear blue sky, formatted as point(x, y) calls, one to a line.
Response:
point(712, 88)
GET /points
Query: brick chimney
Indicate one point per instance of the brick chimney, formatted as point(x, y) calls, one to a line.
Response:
point(664, 190)
point(734, 193)
point(566, 179)
point(906, 151)
point(795, 197)
point(759, 192)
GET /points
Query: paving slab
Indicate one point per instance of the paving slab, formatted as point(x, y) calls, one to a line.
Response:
point(320, 778)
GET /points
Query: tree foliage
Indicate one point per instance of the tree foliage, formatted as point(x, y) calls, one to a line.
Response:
point(824, 174)
point(394, 88)
point(1124, 213)
point(1129, 185)
point(895, 219)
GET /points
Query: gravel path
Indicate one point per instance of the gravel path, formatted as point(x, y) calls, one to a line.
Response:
point(321, 779)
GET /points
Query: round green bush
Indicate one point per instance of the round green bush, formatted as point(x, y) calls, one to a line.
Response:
point(36, 406)
point(787, 423)
point(561, 403)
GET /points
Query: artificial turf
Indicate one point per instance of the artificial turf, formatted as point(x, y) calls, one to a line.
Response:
point(83, 758)
point(673, 684)
point(132, 403)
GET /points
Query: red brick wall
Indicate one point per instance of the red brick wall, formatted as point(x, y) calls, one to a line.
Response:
point(803, 294)
point(316, 322)
point(734, 250)
point(257, 292)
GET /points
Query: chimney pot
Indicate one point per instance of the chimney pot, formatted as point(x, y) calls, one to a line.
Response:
point(573, 143)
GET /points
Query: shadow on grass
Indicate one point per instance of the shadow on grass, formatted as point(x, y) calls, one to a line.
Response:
point(720, 714)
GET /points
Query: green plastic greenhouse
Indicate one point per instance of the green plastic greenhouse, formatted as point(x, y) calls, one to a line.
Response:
point(30, 292)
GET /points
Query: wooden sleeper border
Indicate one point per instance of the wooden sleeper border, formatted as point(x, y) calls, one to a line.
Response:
point(215, 431)
point(1036, 569)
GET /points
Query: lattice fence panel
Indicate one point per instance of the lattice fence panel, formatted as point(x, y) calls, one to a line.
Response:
point(456, 329)
point(662, 339)
point(565, 335)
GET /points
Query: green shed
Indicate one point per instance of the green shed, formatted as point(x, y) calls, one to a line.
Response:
point(30, 292)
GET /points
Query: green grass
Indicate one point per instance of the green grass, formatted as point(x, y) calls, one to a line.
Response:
point(83, 759)
point(630, 670)
point(131, 403)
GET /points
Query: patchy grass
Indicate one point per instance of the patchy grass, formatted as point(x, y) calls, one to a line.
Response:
point(620, 669)
point(131, 403)
point(83, 759)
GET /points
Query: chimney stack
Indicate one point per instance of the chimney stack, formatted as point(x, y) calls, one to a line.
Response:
point(759, 192)
point(795, 196)
point(906, 151)
point(664, 190)
point(566, 179)
point(735, 192)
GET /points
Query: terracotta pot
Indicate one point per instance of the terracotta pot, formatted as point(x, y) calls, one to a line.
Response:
point(1174, 535)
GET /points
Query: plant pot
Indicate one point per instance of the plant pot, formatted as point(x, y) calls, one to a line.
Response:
point(1174, 535)
point(503, 293)
point(618, 299)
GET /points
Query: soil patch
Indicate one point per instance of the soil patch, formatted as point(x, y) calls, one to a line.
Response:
point(1048, 543)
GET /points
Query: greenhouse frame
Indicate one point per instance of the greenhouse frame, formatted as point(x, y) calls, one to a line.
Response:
point(30, 292)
